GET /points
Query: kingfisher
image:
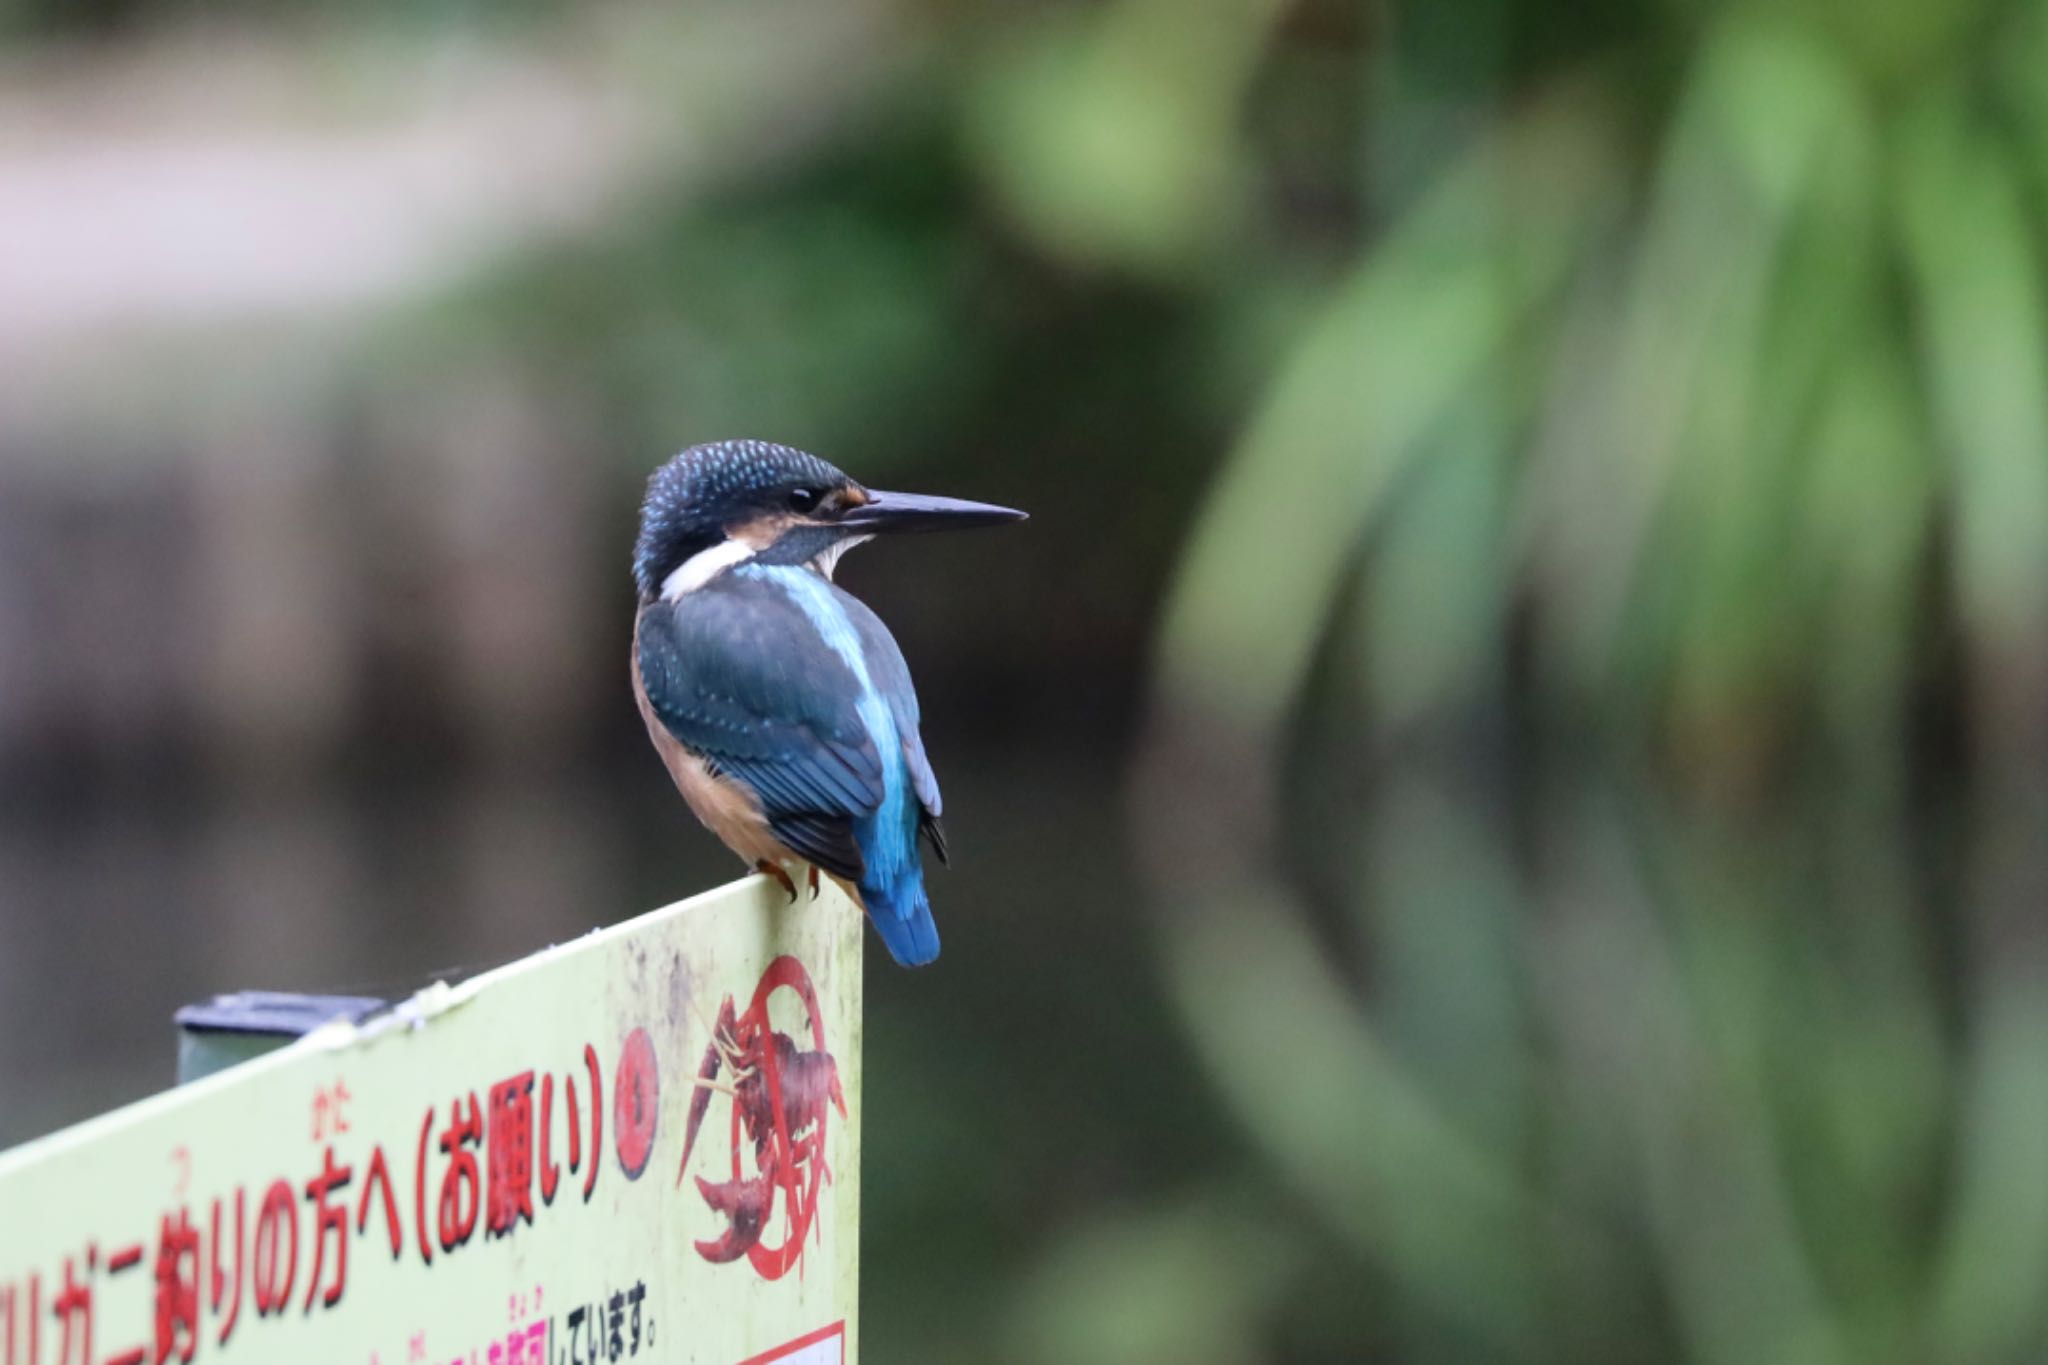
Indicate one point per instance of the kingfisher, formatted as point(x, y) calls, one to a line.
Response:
point(779, 703)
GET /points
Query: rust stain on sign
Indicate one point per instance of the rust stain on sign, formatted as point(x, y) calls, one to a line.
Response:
point(572, 1159)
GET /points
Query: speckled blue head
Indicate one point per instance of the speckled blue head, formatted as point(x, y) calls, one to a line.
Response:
point(781, 506)
point(696, 499)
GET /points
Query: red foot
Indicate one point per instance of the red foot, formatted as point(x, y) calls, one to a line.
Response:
point(775, 870)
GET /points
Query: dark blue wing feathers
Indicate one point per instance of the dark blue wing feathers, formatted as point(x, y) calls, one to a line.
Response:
point(783, 721)
point(825, 840)
point(740, 675)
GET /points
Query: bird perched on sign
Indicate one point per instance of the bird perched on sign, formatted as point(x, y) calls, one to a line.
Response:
point(780, 704)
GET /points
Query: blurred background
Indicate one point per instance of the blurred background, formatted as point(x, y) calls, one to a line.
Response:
point(1499, 804)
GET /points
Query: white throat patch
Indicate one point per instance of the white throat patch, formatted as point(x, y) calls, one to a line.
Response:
point(703, 566)
point(827, 562)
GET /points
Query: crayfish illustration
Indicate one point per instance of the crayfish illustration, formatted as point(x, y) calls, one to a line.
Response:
point(779, 1094)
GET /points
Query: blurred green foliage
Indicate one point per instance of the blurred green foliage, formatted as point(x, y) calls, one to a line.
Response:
point(1619, 637)
point(1701, 424)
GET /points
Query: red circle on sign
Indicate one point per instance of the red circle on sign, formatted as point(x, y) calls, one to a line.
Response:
point(636, 1100)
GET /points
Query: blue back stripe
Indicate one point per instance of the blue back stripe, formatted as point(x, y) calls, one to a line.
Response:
point(885, 845)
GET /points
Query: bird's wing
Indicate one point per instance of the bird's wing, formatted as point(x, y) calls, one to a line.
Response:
point(891, 677)
point(784, 721)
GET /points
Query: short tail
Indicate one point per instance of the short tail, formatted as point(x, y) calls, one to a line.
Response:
point(902, 915)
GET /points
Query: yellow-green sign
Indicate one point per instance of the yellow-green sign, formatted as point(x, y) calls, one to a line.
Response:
point(640, 1146)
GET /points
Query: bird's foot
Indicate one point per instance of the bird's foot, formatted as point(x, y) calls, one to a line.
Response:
point(775, 870)
point(814, 881)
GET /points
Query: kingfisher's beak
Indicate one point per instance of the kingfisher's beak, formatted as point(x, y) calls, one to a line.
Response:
point(885, 512)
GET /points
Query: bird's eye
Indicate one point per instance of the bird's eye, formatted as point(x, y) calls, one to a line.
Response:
point(803, 499)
